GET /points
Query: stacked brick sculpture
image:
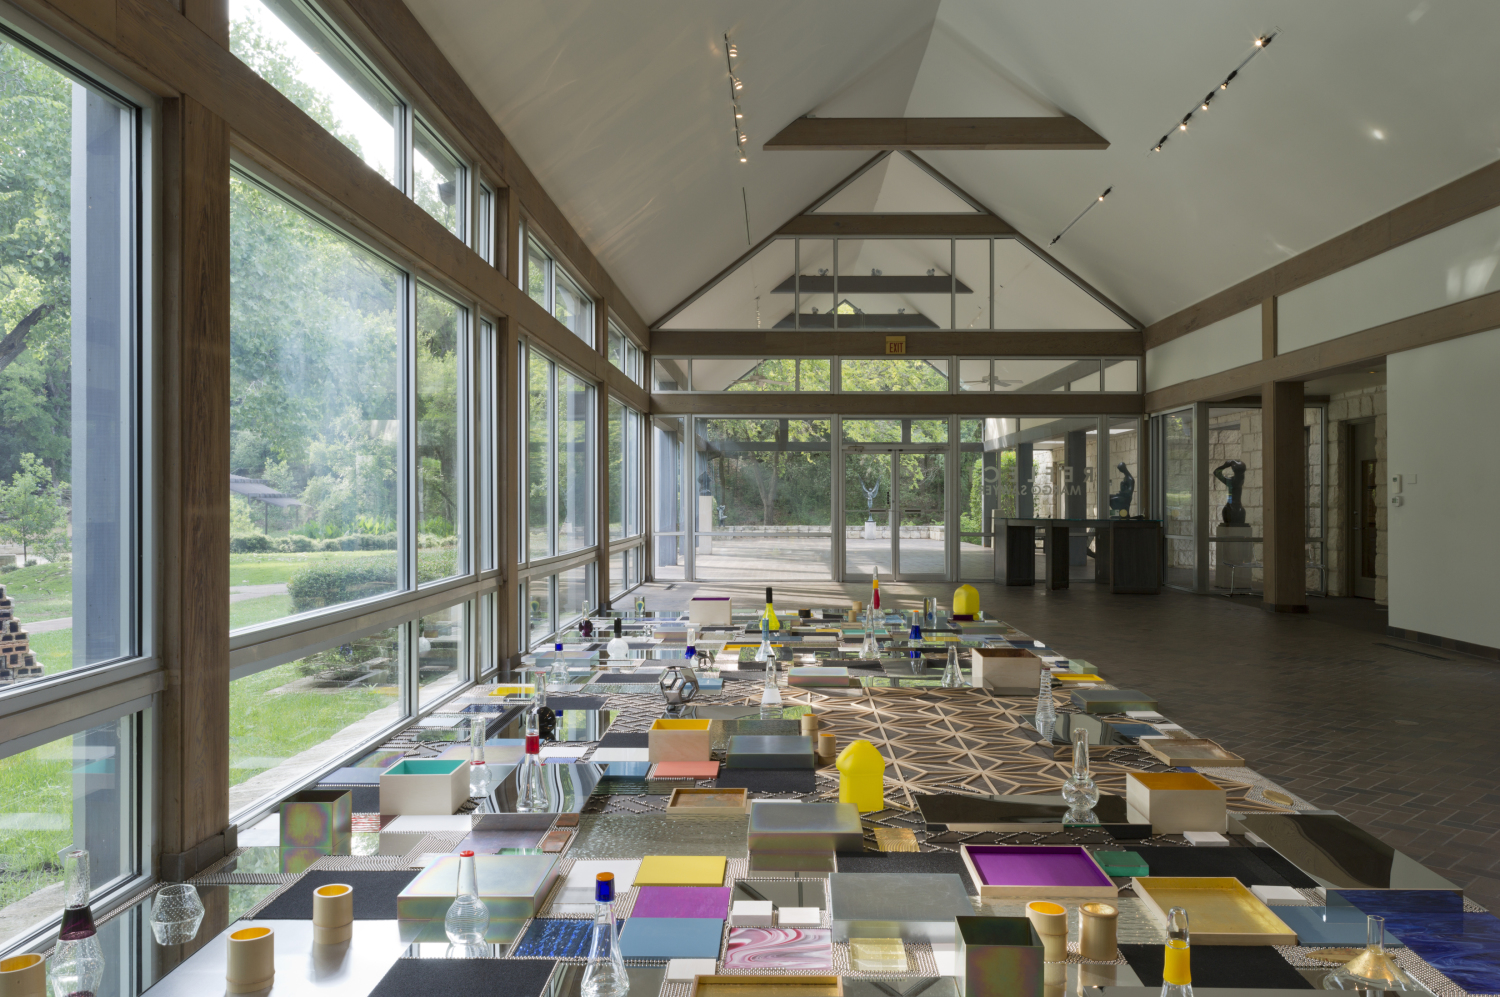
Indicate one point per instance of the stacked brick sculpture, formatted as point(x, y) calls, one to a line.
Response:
point(17, 663)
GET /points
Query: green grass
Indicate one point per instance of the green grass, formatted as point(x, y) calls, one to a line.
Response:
point(268, 569)
point(54, 650)
point(44, 592)
point(251, 612)
point(38, 781)
point(263, 725)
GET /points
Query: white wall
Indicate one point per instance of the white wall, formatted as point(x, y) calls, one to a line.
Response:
point(1443, 414)
point(1227, 343)
point(1451, 264)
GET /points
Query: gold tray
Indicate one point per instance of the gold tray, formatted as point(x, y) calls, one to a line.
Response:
point(1194, 752)
point(1221, 910)
point(695, 802)
point(767, 986)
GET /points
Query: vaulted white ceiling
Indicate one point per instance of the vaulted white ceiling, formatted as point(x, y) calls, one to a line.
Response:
point(622, 110)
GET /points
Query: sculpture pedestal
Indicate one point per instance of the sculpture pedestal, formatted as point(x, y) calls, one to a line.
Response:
point(870, 529)
point(705, 524)
point(1232, 553)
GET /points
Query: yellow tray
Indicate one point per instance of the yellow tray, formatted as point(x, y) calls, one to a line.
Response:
point(767, 986)
point(1195, 752)
point(1221, 910)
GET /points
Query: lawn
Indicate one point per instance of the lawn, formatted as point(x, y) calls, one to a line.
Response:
point(36, 788)
point(269, 569)
point(266, 727)
point(44, 592)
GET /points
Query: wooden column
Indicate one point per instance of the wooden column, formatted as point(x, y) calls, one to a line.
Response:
point(194, 397)
point(1268, 329)
point(601, 456)
point(511, 443)
point(1284, 474)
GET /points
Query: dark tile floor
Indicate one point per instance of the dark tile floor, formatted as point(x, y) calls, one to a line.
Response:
point(1397, 736)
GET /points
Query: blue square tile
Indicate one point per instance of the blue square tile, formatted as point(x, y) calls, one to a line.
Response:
point(1462, 946)
point(1328, 925)
point(672, 937)
point(555, 938)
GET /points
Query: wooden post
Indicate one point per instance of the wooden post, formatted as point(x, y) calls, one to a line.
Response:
point(601, 455)
point(195, 492)
point(510, 439)
point(1284, 474)
point(1268, 329)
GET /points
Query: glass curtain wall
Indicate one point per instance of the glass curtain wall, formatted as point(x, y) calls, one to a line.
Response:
point(669, 498)
point(74, 575)
point(626, 459)
point(1175, 498)
point(762, 505)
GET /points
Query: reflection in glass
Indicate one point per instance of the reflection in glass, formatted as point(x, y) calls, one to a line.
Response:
point(1125, 448)
point(76, 792)
point(539, 413)
point(1176, 434)
point(1045, 375)
point(668, 452)
point(978, 479)
point(624, 471)
point(1121, 375)
point(752, 297)
point(68, 293)
point(441, 326)
point(442, 653)
point(896, 284)
point(813, 287)
point(575, 594)
point(537, 596)
point(439, 180)
point(571, 306)
point(291, 47)
point(288, 719)
point(575, 492)
point(314, 413)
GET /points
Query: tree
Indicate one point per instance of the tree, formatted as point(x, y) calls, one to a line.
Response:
point(29, 510)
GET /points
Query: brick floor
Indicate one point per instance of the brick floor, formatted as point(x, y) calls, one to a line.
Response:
point(1326, 704)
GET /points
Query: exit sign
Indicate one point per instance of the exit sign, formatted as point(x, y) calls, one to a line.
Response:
point(895, 345)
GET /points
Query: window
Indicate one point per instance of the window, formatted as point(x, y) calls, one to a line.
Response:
point(440, 182)
point(536, 608)
point(440, 418)
point(624, 354)
point(625, 570)
point(315, 410)
point(293, 47)
point(884, 374)
point(442, 646)
point(625, 459)
point(289, 719)
point(559, 441)
point(488, 421)
point(69, 299)
point(575, 594)
point(549, 286)
point(79, 791)
point(484, 225)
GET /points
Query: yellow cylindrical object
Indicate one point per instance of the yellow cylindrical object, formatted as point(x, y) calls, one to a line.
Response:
point(965, 600)
point(1054, 979)
point(809, 724)
point(1051, 923)
point(23, 976)
point(252, 960)
point(827, 748)
point(1175, 968)
point(1096, 932)
point(333, 913)
point(862, 776)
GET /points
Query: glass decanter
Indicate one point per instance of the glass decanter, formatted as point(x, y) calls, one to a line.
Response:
point(770, 693)
point(1176, 970)
point(605, 974)
point(870, 649)
point(1046, 709)
point(1373, 969)
point(533, 792)
point(953, 676)
point(480, 778)
point(557, 675)
point(77, 963)
point(765, 652)
point(618, 647)
point(1080, 791)
point(469, 917)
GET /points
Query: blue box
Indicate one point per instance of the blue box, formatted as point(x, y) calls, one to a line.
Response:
point(672, 938)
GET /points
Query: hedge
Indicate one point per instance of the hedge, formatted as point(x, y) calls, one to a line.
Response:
point(334, 583)
point(259, 543)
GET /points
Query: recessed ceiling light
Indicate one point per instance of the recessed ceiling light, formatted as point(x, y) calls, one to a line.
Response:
point(1378, 134)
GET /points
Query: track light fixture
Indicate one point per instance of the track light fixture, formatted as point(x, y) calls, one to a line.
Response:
point(736, 87)
point(1085, 211)
point(1182, 126)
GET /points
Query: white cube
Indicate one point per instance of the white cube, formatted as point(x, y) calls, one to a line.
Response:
point(1205, 838)
point(686, 969)
point(1280, 894)
point(709, 611)
point(750, 913)
point(799, 917)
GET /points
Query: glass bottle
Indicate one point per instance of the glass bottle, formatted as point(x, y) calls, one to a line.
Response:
point(479, 771)
point(557, 675)
point(1080, 791)
point(770, 693)
point(914, 637)
point(585, 625)
point(953, 676)
point(618, 647)
point(77, 963)
point(605, 974)
point(1046, 708)
point(1176, 972)
point(870, 649)
point(469, 917)
point(691, 650)
point(640, 606)
point(875, 591)
point(1373, 969)
point(765, 652)
point(533, 794)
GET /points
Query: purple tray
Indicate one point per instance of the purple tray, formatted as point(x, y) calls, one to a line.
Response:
point(1055, 870)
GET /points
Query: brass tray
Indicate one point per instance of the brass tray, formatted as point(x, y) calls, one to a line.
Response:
point(695, 802)
point(1221, 910)
point(1194, 752)
point(767, 986)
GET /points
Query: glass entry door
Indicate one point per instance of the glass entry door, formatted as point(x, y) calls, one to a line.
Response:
point(895, 501)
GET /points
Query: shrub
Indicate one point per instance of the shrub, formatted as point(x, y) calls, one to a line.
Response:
point(331, 584)
point(250, 543)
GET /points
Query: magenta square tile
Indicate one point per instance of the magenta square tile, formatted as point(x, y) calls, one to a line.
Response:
point(682, 901)
point(1040, 866)
point(779, 948)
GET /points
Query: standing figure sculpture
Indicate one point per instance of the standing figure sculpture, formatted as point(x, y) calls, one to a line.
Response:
point(1119, 502)
point(870, 494)
point(1233, 513)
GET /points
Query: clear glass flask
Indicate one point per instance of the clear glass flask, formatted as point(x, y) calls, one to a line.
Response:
point(1176, 971)
point(1373, 969)
point(533, 791)
point(469, 917)
point(77, 963)
point(618, 647)
point(1046, 709)
point(1079, 791)
point(870, 649)
point(765, 652)
point(953, 676)
point(557, 675)
point(770, 693)
point(605, 974)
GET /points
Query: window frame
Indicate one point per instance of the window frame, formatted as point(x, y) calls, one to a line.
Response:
point(530, 350)
point(552, 266)
point(421, 129)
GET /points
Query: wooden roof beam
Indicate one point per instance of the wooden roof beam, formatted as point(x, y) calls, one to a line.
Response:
point(844, 134)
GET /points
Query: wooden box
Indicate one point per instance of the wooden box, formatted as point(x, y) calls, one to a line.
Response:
point(1221, 910)
point(424, 786)
point(678, 741)
point(691, 802)
point(1173, 802)
point(1006, 671)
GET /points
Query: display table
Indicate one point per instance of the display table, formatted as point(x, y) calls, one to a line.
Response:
point(1127, 552)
